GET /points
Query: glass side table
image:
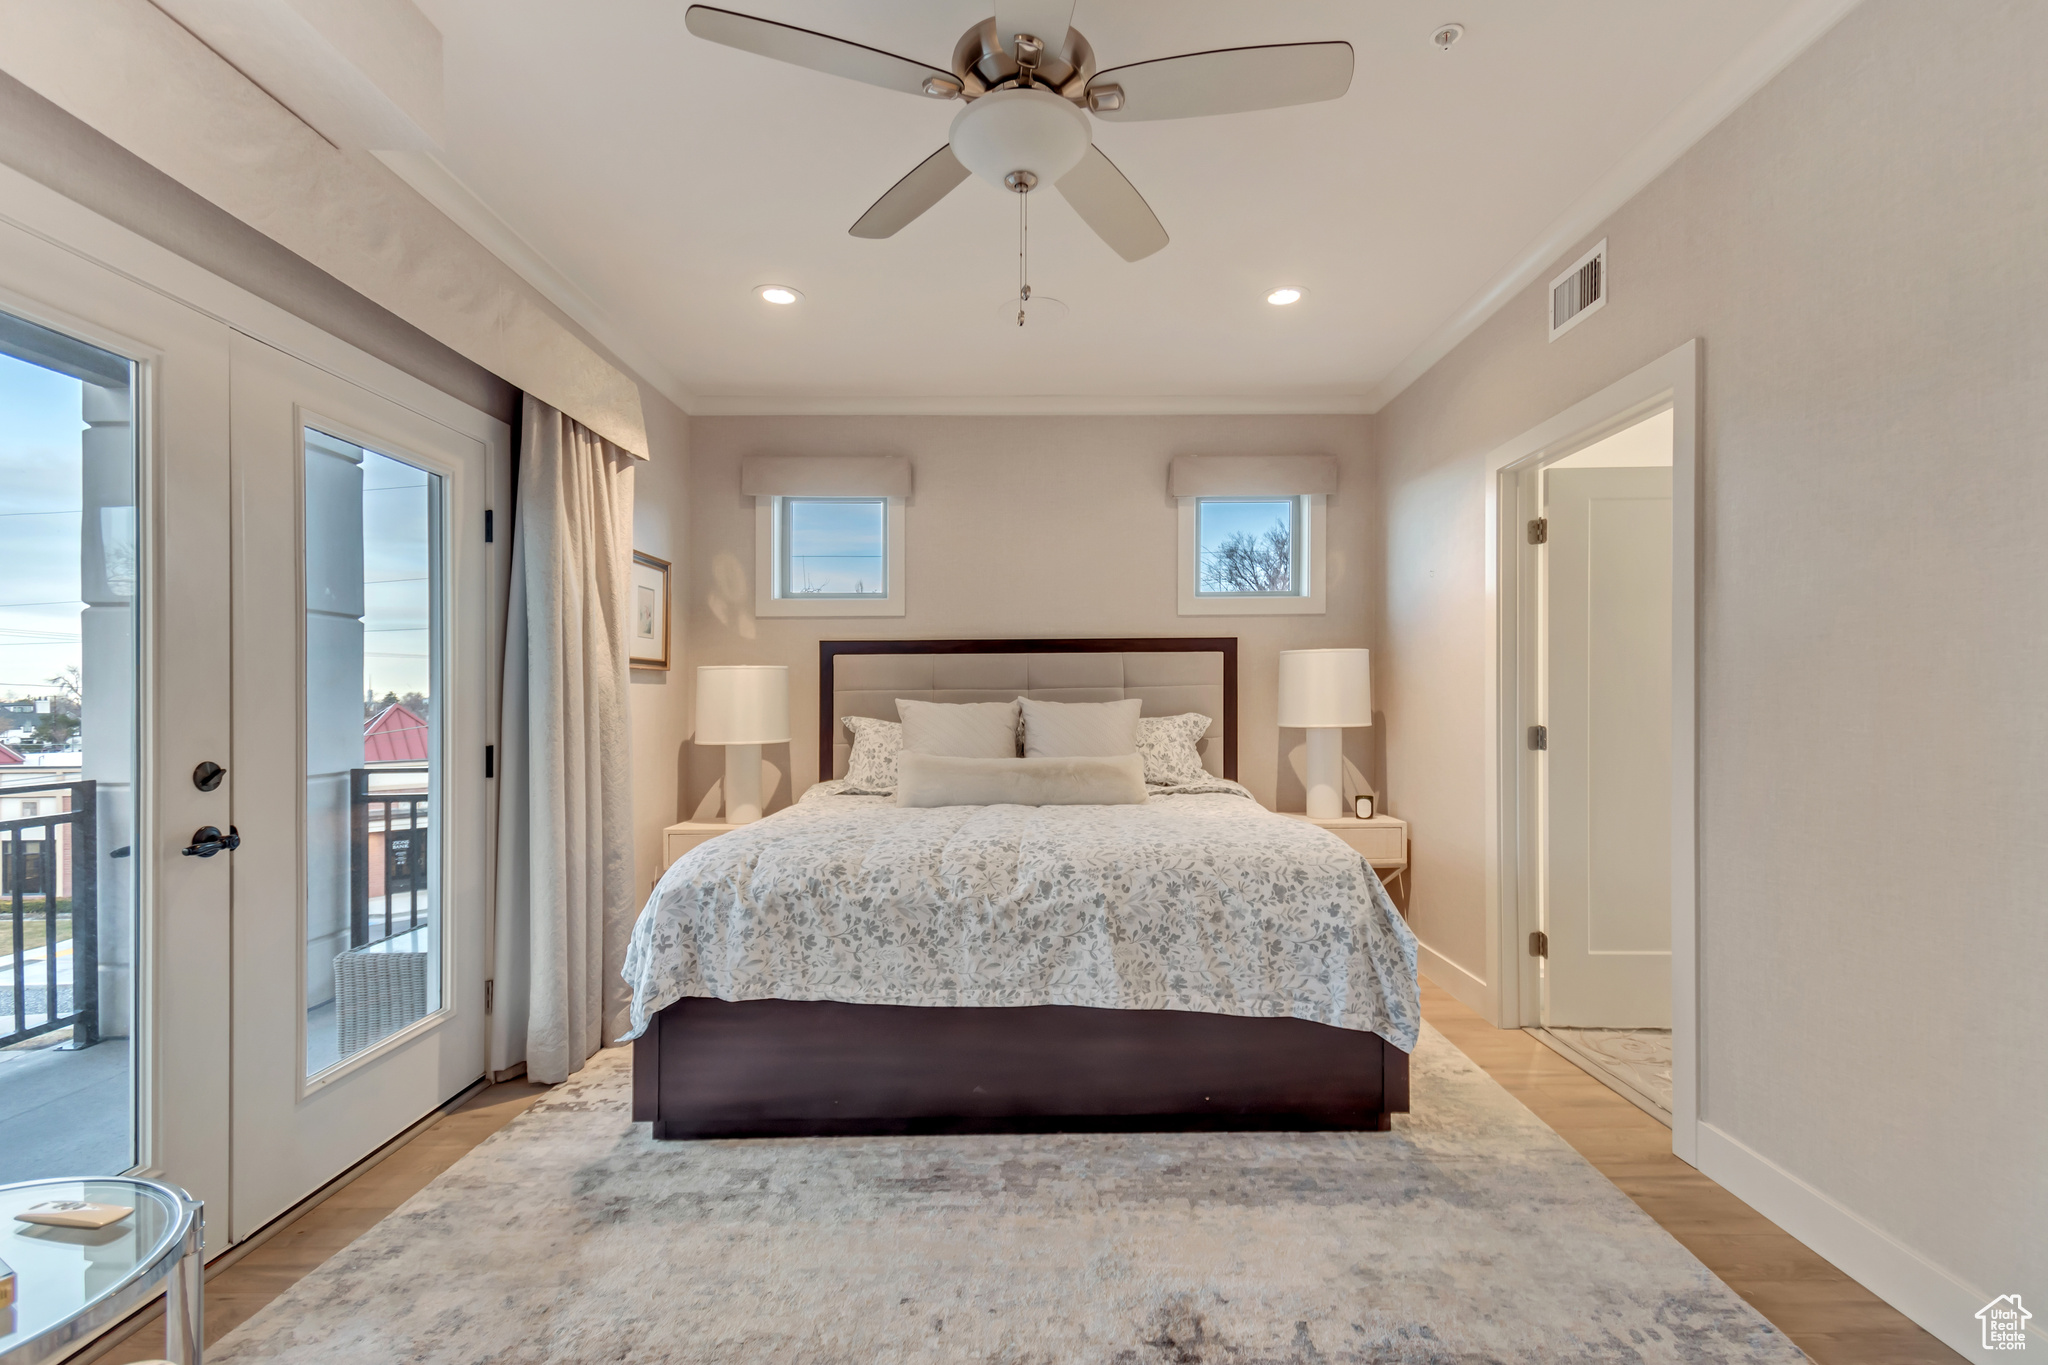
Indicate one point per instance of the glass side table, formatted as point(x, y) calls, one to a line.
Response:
point(71, 1282)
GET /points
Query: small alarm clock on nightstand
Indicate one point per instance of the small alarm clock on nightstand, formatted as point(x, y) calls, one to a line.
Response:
point(1363, 805)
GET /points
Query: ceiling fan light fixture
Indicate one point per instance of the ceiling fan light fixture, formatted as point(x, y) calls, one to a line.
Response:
point(780, 295)
point(1020, 130)
point(1280, 298)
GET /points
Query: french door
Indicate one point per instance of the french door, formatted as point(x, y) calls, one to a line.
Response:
point(113, 565)
point(362, 601)
point(246, 685)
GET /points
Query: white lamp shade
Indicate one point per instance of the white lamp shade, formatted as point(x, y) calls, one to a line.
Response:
point(1325, 688)
point(743, 704)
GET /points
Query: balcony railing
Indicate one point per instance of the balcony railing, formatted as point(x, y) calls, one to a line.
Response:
point(29, 852)
point(401, 818)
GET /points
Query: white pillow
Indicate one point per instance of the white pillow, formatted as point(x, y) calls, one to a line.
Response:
point(1168, 746)
point(871, 767)
point(1080, 729)
point(973, 729)
point(934, 780)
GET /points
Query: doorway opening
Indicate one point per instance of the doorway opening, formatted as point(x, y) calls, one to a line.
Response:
point(1598, 829)
point(1592, 745)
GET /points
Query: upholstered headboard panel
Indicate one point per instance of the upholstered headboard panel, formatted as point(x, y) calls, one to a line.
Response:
point(1170, 674)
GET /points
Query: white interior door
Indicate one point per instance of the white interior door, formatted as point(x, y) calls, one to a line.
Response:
point(362, 708)
point(113, 574)
point(1607, 764)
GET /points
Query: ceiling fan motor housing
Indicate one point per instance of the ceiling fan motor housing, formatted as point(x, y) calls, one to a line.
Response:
point(1020, 130)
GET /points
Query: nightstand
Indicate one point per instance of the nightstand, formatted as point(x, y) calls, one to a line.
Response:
point(679, 839)
point(1381, 841)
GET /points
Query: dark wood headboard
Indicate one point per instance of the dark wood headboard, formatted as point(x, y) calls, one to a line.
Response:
point(1225, 645)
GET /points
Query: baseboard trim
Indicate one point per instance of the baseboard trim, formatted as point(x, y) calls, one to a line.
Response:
point(1902, 1277)
point(1472, 993)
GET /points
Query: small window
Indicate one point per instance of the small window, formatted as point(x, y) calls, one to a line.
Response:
point(1252, 556)
point(834, 547)
point(1248, 547)
point(836, 556)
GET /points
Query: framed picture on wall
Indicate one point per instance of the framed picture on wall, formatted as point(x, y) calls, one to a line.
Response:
point(647, 646)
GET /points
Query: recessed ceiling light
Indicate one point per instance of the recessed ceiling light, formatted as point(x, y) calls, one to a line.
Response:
point(778, 293)
point(1448, 34)
point(1280, 298)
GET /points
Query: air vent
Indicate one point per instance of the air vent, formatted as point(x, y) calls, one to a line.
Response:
point(1580, 291)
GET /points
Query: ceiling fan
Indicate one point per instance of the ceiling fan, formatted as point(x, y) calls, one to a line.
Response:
point(1029, 81)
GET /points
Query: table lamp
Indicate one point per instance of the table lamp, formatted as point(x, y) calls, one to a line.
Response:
point(742, 706)
point(1323, 691)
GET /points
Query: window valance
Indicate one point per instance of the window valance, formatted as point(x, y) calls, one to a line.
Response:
point(1251, 476)
point(826, 476)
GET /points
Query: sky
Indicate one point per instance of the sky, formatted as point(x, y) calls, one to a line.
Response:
point(40, 498)
point(1221, 520)
point(396, 565)
point(836, 547)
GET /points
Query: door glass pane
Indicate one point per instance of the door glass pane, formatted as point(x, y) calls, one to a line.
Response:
point(68, 566)
point(374, 561)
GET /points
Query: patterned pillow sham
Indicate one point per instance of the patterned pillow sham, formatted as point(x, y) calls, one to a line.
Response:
point(871, 767)
point(1168, 744)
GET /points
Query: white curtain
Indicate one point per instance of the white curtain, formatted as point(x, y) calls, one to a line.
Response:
point(565, 837)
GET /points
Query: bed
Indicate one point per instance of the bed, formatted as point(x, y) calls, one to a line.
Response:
point(846, 966)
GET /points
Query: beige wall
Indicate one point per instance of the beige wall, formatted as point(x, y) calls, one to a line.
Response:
point(1026, 527)
point(1863, 249)
point(660, 715)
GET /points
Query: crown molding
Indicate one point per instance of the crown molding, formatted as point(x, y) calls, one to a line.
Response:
point(431, 179)
point(1029, 405)
point(1801, 26)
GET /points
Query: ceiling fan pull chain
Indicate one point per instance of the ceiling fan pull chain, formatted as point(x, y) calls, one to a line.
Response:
point(1023, 252)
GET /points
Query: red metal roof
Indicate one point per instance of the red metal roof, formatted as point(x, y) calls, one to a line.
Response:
point(394, 735)
point(8, 755)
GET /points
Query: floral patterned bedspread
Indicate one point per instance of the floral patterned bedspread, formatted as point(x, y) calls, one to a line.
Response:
point(1196, 900)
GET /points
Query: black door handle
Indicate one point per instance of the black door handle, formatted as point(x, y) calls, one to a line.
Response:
point(208, 841)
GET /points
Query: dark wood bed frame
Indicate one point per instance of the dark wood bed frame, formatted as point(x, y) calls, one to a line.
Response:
point(786, 1068)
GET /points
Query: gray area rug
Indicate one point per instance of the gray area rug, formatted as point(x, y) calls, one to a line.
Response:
point(1472, 1233)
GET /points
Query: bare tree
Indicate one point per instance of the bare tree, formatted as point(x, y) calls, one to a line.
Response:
point(1247, 563)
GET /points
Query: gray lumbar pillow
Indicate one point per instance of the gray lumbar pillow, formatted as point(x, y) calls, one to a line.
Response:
point(934, 780)
point(973, 729)
point(1080, 729)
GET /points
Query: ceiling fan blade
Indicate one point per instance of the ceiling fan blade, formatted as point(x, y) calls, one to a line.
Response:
point(1045, 20)
point(818, 51)
point(1107, 203)
point(934, 179)
point(1231, 81)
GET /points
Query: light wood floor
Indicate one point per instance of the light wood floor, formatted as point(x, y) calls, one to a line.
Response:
point(1831, 1317)
point(235, 1293)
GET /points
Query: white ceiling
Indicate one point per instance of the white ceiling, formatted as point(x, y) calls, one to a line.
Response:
point(662, 178)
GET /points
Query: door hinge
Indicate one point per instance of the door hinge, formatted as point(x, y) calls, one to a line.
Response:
point(1539, 944)
point(490, 761)
point(490, 527)
point(1539, 737)
point(490, 994)
point(1539, 530)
